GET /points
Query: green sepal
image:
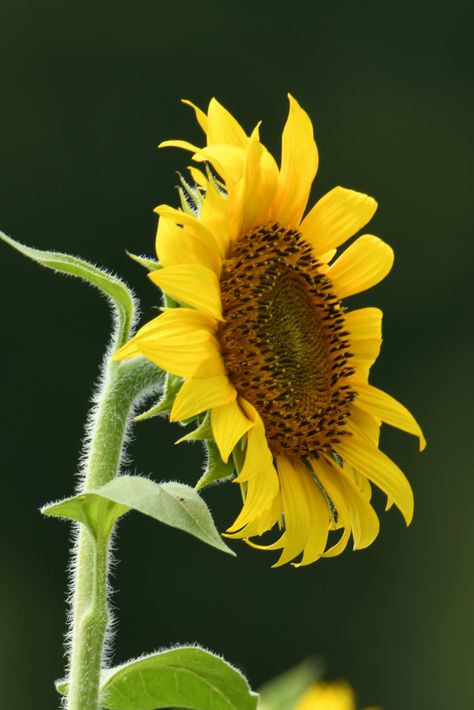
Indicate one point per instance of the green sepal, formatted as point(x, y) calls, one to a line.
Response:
point(185, 677)
point(201, 432)
point(112, 286)
point(146, 261)
point(170, 390)
point(216, 469)
point(173, 504)
point(283, 692)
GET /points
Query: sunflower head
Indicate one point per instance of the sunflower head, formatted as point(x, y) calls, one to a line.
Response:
point(261, 351)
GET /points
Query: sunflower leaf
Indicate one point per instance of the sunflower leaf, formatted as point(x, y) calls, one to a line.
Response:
point(216, 469)
point(173, 504)
point(186, 676)
point(120, 296)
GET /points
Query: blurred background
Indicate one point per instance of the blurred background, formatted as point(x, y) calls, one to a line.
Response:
point(88, 89)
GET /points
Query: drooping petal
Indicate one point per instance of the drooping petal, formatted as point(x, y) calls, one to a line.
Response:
point(299, 163)
point(258, 454)
point(362, 265)
point(260, 477)
point(229, 424)
point(196, 396)
point(349, 501)
point(379, 469)
point(338, 215)
point(381, 404)
point(180, 341)
point(296, 509)
point(320, 519)
point(191, 284)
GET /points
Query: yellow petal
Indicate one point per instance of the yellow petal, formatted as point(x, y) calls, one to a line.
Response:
point(260, 476)
point(192, 223)
point(222, 128)
point(250, 204)
point(184, 145)
point(191, 284)
point(320, 519)
point(365, 424)
point(364, 323)
point(215, 216)
point(198, 177)
point(379, 469)
point(381, 404)
point(200, 115)
point(327, 696)
point(299, 163)
point(296, 509)
point(128, 350)
point(349, 502)
point(362, 265)
point(229, 424)
point(364, 354)
point(338, 215)
point(227, 160)
point(176, 245)
point(180, 341)
point(196, 396)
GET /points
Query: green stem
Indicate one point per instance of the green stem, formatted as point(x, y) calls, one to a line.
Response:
point(122, 385)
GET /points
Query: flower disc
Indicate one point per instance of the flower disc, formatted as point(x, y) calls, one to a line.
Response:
point(283, 340)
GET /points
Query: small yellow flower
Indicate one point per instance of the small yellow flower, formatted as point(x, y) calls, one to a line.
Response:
point(328, 696)
point(263, 342)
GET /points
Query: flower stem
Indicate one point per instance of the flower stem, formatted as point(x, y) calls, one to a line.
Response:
point(122, 385)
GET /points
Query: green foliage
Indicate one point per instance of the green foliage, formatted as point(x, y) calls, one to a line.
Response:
point(174, 504)
point(112, 286)
point(282, 692)
point(185, 677)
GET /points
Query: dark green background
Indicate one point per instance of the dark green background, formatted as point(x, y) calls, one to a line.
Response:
point(87, 91)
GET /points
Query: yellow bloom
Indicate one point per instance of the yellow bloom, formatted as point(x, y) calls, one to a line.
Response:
point(328, 696)
point(262, 340)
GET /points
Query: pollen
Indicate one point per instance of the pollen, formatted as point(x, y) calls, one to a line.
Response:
point(283, 341)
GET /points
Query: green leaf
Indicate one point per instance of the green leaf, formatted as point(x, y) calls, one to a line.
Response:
point(170, 390)
point(284, 691)
point(185, 677)
point(216, 469)
point(174, 504)
point(120, 296)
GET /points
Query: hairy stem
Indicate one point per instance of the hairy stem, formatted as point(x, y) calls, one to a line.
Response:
point(123, 384)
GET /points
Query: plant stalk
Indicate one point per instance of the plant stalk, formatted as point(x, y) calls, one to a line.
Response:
point(122, 385)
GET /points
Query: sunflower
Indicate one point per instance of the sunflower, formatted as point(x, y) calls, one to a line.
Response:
point(328, 696)
point(261, 342)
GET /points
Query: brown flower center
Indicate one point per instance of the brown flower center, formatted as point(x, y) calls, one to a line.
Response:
point(283, 341)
